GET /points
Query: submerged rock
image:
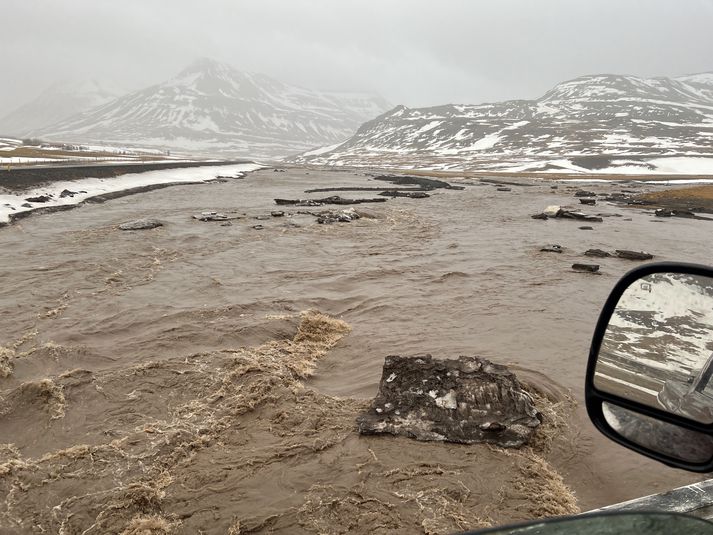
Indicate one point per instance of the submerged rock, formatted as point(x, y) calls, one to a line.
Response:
point(466, 400)
point(141, 224)
point(554, 248)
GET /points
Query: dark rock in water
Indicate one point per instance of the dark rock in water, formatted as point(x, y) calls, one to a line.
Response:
point(597, 252)
point(277, 213)
point(40, 198)
point(26, 205)
point(67, 193)
point(258, 227)
point(226, 224)
point(568, 214)
point(590, 202)
point(539, 216)
point(342, 216)
point(262, 217)
point(141, 224)
point(504, 189)
point(554, 248)
point(334, 199)
point(583, 193)
point(554, 187)
point(591, 268)
point(211, 216)
point(401, 193)
point(466, 400)
point(667, 212)
point(586, 228)
point(633, 255)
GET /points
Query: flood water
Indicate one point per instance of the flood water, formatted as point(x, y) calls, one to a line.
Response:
point(458, 273)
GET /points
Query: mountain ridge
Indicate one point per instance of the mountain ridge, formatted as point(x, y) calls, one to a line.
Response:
point(620, 119)
point(213, 108)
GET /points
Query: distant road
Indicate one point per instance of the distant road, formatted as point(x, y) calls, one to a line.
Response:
point(20, 178)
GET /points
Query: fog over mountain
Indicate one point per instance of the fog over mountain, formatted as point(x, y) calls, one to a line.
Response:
point(412, 52)
point(212, 108)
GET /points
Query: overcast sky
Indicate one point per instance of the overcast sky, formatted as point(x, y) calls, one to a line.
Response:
point(411, 52)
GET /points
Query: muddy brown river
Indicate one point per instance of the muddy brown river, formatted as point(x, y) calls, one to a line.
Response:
point(171, 380)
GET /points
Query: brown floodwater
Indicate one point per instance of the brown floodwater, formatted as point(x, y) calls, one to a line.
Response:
point(166, 379)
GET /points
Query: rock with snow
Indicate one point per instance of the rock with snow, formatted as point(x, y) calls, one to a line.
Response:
point(466, 400)
point(141, 224)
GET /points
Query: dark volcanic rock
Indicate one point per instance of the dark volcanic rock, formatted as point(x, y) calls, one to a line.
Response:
point(141, 224)
point(40, 198)
point(277, 213)
point(633, 255)
point(583, 193)
point(554, 248)
point(503, 189)
point(67, 193)
point(586, 228)
point(465, 400)
point(402, 193)
point(590, 202)
point(334, 199)
point(592, 268)
point(597, 252)
point(539, 216)
point(26, 205)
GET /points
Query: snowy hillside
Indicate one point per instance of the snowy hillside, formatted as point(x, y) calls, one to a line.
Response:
point(620, 123)
point(212, 108)
point(56, 103)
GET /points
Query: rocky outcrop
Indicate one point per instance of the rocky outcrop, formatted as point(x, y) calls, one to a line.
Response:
point(465, 400)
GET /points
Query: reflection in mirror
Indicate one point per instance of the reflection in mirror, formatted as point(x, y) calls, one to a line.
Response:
point(669, 439)
point(658, 346)
point(613, 524)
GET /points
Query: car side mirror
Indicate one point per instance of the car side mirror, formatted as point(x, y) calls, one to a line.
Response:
point(649, 383)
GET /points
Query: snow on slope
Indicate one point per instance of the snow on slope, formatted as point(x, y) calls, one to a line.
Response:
point(605, 123)
point(211, 107)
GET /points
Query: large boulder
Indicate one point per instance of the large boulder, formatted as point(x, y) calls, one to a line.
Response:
point(141, 224)
point(465, 400)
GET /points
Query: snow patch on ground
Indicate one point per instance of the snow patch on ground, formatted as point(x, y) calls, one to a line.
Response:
point(12, 203)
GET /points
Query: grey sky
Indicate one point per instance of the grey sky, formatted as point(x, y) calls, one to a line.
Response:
point(413, 52)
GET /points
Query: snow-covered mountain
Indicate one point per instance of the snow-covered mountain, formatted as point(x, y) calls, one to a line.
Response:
point(213, 108)
point(57, 102)
point(589, 123)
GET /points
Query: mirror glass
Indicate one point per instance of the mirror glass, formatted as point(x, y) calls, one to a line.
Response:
point(611, 524)
point(669, 439)
point(658, 346)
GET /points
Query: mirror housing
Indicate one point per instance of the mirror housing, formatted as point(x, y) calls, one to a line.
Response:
point(649, 417)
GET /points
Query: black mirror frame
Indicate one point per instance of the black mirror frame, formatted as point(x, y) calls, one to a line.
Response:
point(594, 398)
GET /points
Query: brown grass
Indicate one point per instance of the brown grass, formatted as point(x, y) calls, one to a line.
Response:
point(683, 194)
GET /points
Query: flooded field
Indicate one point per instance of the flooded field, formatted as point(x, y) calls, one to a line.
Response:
point(206, 376)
